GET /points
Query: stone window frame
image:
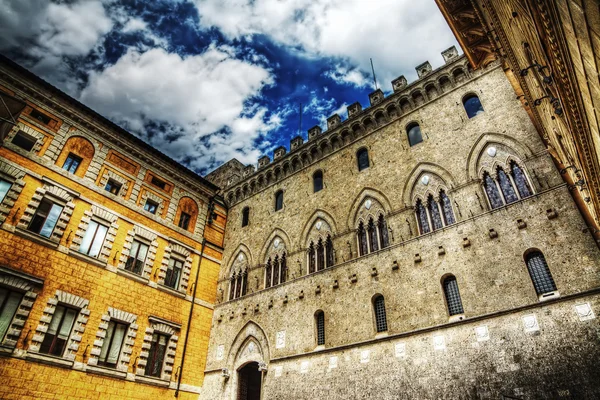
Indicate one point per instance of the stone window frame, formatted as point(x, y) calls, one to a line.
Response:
point(103, 217)
point(322, 230)
point(125, 183)
point(57, 195)
point(159, 325)
point(431, 185)
point(505, 165)
point(128, 343)
point(148, 195)
point(28, 286)
point(143, 236)
point(238, 272)
point(74, 340)
point(41, 138)
point(15, 176)
point(176, 251)
point(374, 211)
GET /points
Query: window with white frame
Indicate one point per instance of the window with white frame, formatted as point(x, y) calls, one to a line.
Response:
point(158, 351)
point(176, 267)
point(59, 331)
point(45, 218)
point(174, 272)
point(114, 340)
point(10, 299)
point(137, 257)
point(113, 343)
point(94, 239)
point(11, 185)
point(139, 251)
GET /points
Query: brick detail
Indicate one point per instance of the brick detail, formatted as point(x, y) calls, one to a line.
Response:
point(169, 361)
point(74, 341)
point(128, 343)
point(15, 176)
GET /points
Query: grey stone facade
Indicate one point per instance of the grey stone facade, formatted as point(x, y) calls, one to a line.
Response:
point(508, 341)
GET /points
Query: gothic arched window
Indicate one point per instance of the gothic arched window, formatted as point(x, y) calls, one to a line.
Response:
point(362, 157)
point(268, 273)
point(492, 191)
point(312, 258)
point(283, 269)
point(362, 239)
point(422, 218)
point(508, 190)
point(317, 181)
point(414, 134)
point(434, 213)
point(447, 208)
point(540, 273)
point(320, 321)
point(276, 271)
point(380, 316)
point(472, 105)
point(452, 294)
point(279, 200)
point(320, 255)
point(238, 284)
point(329, 252)
point(520, 180)
point(383, 232)
point(372, 233)
point(245, 216)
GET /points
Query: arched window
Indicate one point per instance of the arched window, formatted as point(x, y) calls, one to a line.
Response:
point(452, 294)
point(447, 208)
point(472, 105)
point(187, 213)
point(238, 284)
point(312, 258)
point(275, 271)
point(329, 251)
point(422, 218)
point(268, 273)
point(76, 155)
point(283, 269)
point(317, 181)
point(320, 321)
point(245, 216)
point(434, 213)
point(540, 273)
point(320, 255)
point(372, 233)
point(362, 157)
point(362, 239)
point(508, 190)
point(414, 134)
point(383, 232)
point(279, 200)
point(492, 191)
point(520, 180)
point(380, 316)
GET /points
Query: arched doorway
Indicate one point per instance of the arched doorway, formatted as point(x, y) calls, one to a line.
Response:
point(249, 382)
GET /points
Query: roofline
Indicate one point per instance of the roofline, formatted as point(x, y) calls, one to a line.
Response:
point(4, 60)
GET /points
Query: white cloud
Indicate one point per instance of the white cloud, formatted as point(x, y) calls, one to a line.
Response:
point(397, 34)
point(134, 25)
point(352, 76)
point(193, 97)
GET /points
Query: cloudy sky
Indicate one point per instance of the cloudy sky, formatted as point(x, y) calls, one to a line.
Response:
point(208, 80)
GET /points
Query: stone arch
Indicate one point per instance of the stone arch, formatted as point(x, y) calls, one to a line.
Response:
point(190, 207)
point(392, 111)
point(361, 198)
point(242, 248)
point(418, 171)
point(240, 352)
point(522, 151)
point(380, 117)
point(404, 104)
point(445, 83)
point(81, 147)
point(311, 221)
point(276, 233)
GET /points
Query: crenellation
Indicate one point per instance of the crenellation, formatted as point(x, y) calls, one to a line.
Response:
point(449, 54)
point(296, 142)
point(354, 109)
point(263, 162)
point(399, 83)
point(376, 97)
point(314, 132)
point(423, 69)
point(333, 121)
point(279, 152)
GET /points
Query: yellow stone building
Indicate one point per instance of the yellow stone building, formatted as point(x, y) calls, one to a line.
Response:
point(108, 250)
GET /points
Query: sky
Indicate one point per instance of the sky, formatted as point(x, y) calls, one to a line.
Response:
point(205, 81)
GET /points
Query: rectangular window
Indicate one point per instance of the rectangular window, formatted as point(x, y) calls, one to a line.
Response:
point(4, 188)
point(158, 183)
point(113, 341)
point(94, 239)
point(43, 118)
point(137, 257)
point(59, 330)
point(72, 163)
point(174, 273)
point(9, 303)
point(184, 220)
point(113, 187)
point(151, 206)
point(158, 348)
point(24, 141)
point(45, 218)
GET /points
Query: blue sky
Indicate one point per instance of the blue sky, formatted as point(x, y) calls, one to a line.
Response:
point(208, 80)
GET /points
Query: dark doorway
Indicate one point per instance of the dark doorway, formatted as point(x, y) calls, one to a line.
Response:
point(249, 382)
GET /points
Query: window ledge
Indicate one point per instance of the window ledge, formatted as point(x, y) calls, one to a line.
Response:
point(6, 350)
point(132, 276)
point(170, 290)
point(88, 259)
point(549, 296)
point(50, 360)
point(381, 334)
point(113, 373)
point(34, 237)
point(152, 381)
point(457, 317)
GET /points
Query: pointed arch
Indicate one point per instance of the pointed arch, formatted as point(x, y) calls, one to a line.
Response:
point(251, 332)
point(521, 150)
point(359, 200)
point(418, 171)
point(242, 248)
point(274, 233)
point(318, 214)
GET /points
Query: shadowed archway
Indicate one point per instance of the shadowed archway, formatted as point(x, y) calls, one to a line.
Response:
point(249, 382)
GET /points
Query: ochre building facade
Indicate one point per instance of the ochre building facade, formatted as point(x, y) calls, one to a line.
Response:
point(108, 249)
point(426, 247)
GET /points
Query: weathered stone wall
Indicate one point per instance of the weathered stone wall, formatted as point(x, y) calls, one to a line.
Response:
point(489, 266)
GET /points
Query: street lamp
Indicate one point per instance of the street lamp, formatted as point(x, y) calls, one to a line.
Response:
point(10, 108)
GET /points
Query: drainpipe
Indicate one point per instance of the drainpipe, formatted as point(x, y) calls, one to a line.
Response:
point(187, 330)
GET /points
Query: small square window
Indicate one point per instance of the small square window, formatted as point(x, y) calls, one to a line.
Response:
point(113, 187)
point(184, 220)
point(43, 118)
point(45, 218)
point(24, 141)
point(72, 163)
point(158, 183)
point(151, 206)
